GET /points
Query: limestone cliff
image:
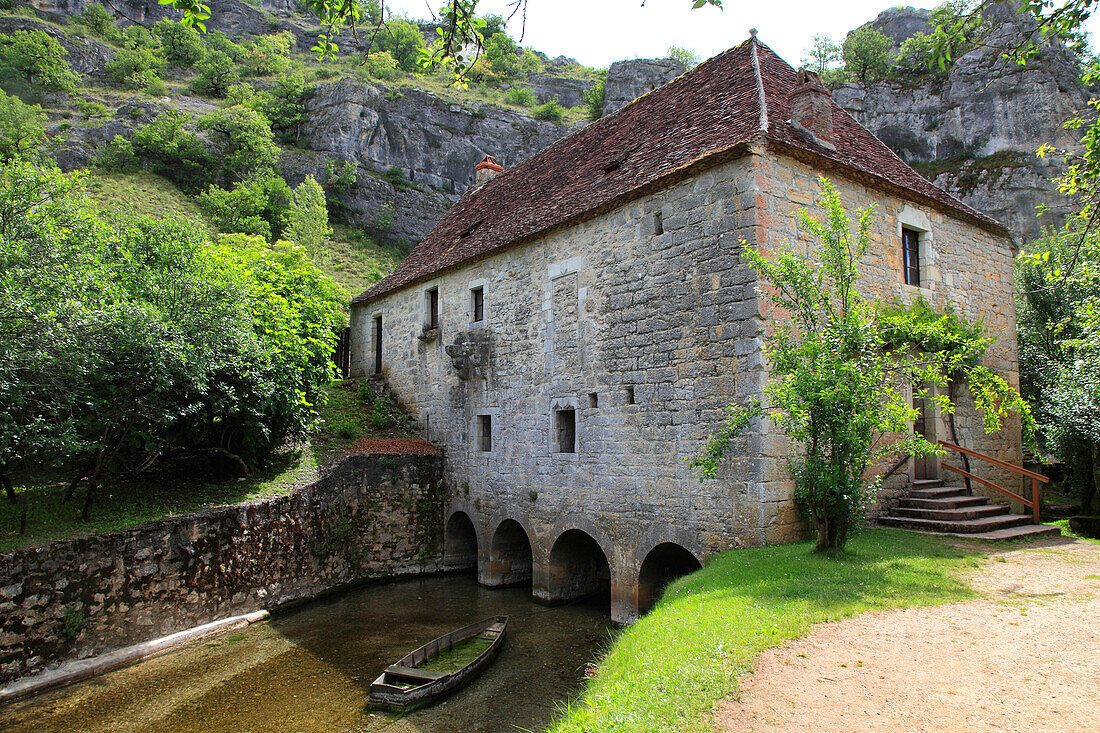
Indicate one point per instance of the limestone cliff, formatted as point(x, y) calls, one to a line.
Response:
point(975, 132)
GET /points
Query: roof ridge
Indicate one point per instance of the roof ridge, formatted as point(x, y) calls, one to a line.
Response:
point(761, 99)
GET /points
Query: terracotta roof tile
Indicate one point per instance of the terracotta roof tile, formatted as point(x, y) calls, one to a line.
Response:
point(699, 119)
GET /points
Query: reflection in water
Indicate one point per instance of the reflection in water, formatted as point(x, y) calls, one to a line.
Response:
point(310, 669)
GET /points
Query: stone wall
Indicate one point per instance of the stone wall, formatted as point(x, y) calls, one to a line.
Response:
point(963, 266)
point(651, 299)
point(369, 518)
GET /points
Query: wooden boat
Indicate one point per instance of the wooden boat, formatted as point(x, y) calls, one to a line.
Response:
point(411, 682)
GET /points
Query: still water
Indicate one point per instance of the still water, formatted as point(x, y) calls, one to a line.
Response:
point(309, 669)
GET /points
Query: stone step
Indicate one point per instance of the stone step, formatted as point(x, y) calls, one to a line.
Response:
point(937, 492)
point(949, 502)
point(954, 514)
point(927, 483)
point(965, 526)
point(1020, 532)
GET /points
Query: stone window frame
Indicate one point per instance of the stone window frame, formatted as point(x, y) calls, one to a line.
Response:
point(471, 286)
point(475, 431)
point(557, 404)
point(377, 342)
point(919, 222)
point(427, 290)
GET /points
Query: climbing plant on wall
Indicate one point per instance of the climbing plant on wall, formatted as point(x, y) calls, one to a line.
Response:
point(840, 365)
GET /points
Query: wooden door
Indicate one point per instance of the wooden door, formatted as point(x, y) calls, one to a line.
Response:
point(920, 427)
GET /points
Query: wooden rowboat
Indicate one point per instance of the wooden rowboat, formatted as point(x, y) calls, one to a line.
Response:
point(413, 682)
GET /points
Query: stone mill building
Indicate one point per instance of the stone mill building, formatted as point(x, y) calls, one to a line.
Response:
point(574, 328)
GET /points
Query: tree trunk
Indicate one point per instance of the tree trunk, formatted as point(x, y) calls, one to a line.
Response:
point(1086, 481)
point(9, 490)
point(826, 535)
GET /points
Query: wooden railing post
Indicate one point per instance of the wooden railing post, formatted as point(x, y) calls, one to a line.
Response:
point(1035, 499)
point(1035, 477)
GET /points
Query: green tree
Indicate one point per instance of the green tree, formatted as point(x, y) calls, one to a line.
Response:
point(308, 218)
point(823, 54)
point(216, 75)
point(259, 205)
point(22, 129)
point(182, 45)
point(135, 68)
point(838, 369)
point(503, 55)
point(285, 106)
point(242, 142)
point(402, 39)
point(100, 22)
point(172, 149)
point(866, 54)
point(39, 58)
point(268, 55)
point(594, 98)
point(117, 155)
point(685, 56)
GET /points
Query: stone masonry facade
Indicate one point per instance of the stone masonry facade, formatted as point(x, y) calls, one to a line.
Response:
point(369, 518)
point(629, 334)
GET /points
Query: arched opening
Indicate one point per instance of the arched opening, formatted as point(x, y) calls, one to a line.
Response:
point(509, 555)
point(665, 563)
point(460, 543)
point(578, 568)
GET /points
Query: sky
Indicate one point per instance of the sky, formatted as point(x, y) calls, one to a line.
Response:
point(597, 32)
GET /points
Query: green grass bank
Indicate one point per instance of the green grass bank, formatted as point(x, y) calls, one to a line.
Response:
point(666, 672)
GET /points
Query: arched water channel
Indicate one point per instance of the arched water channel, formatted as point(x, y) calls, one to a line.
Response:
point(309, 669)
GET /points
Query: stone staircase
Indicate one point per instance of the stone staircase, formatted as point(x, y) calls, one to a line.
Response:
point(932, 507)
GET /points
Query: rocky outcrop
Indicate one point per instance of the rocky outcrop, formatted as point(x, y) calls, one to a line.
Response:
point(987, 111)
point(628, 80)
point(435, 143)
point(569, 91)
point(85, 55)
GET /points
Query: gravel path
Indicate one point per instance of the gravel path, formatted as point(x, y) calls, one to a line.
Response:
point(1026, 657)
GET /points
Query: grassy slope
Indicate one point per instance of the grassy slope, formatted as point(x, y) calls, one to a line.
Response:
point(666, 672)
point(146, 192)
point(345, 418)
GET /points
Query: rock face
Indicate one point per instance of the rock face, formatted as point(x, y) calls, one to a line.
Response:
point(628, 80)
point(980, 126)
point(568, 91)
point(85, 55)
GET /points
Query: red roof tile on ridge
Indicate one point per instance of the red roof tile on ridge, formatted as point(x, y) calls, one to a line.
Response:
point(699, 119)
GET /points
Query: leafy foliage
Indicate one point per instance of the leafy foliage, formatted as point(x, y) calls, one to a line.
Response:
point(125, 337)
point(100, 22)
point(242, 142)
point(684, 56)
point(39, 58)
point(521, 96)
point(866, 54)
point(594, 98)
point(135, 68)
point(307, 224)
point(268, 55)
point(838, 369)
point(117, 156)
point(216, 75)
point(258, 206)
point(174, 151)
point(181, 44)
point(551, 111)
point(22, 129)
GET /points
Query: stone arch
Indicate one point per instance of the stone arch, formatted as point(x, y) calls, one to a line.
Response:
point(460, 542)
point(510, 555)
point(663, 564)
point(578, 567)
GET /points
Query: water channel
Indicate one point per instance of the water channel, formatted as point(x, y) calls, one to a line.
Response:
point(309, 669)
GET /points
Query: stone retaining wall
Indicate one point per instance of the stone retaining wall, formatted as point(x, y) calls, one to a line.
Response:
point(371, 517)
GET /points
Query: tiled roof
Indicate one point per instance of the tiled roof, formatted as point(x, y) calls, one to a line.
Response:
point(697, 120)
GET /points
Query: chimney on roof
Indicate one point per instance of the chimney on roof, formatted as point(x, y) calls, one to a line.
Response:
point(486, 169)
point(812, 109)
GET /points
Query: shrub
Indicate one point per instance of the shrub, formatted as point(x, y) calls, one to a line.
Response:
point(259, 206)
point(100, 23)
point(39, 58)
point(307, 220)
point(136, 36)
point(364, 393)
point(594, 98)
point(175, 151)
point(866, 54)
point(341, 176)
point(380, 412)
point(218, 41)
point(242, 142)
point(395, 177)
point(520, 96)
point(346, 427)
point(268, 55)
point(76, 618)
point(382, 66)
point(155, 87)
point(216, 75)
point(284, 105)
point(90, 108)
point(686, 57)
point(549, 112)
point(502, 53)
point(117, 155)
point(22, 129)
point(134, 68)
point(403, 41)
point(182, 44)
point(241, 93)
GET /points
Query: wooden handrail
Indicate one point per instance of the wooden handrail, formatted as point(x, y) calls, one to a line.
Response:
point(1035, 477)
point(995, 462)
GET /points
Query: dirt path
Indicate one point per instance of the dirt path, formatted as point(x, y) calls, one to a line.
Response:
point(1024, 658)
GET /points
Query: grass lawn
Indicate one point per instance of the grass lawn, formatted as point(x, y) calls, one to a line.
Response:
point(666, 672)
point(346, 417)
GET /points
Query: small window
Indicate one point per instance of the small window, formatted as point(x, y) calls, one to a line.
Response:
point(565, 422)
point(485, 433)
point(658, 223)
point(378, 344)
point(910, 256)
point(431, 304)
point(593, 399)
point(630, 396)
point(477, 297)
